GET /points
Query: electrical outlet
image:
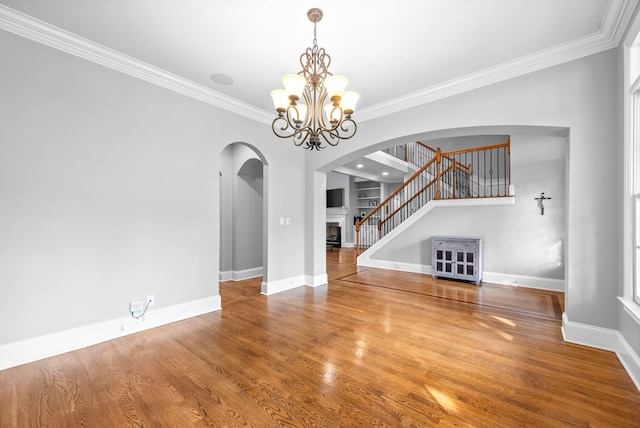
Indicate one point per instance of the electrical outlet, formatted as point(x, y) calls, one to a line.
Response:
point(151, 299)
point(136, 306)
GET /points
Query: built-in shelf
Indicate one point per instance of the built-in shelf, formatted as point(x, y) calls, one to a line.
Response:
point(367, 196)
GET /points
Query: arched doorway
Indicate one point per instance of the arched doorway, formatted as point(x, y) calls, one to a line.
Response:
point(539, 158)
point(242, 213)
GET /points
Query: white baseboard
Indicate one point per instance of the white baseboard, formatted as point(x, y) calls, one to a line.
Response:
point(37, 348)
point(272, 287)
point(630, 360)
point(524, 281)
point(239, 275)
point(589, 335)
point(493, 277)
point(391, 265)
point(316, 281)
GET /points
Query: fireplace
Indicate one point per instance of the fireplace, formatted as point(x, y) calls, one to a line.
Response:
point(334, 235)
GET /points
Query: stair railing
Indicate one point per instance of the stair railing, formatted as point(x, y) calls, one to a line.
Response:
point(488, 167)
point(470, 173)
point(416, 153)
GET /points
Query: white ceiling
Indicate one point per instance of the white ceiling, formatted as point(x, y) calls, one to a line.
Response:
point(396, 54)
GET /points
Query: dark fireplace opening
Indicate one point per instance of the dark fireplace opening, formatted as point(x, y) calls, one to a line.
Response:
point(334, 235)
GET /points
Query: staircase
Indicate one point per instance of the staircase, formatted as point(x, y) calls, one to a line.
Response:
point(482, 172)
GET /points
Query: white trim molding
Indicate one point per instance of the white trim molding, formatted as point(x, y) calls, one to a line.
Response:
point(225, 276)
point(394, 265)
point(316, 281)
point(273, 287)
point(524, 281)
point(37, 348)
point(240, 275)
point(630, 360)
point(589, 335)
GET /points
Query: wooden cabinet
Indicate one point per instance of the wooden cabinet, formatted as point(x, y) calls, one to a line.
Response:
point(457, 257)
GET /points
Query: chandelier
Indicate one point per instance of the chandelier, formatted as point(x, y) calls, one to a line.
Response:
point(314, 108)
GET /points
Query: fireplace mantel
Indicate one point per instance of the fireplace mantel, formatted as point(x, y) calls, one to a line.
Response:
point(341, 219)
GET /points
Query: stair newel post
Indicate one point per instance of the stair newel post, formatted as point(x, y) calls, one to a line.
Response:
point(358, 237)
point(438, 172)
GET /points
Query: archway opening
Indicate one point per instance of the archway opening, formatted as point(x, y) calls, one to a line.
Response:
point(242, 214)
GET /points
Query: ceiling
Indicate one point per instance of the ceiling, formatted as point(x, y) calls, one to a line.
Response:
point(396, 54)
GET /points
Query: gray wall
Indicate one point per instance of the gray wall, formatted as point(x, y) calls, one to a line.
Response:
point(109, 191)
point(227, 180)
point(248, 216)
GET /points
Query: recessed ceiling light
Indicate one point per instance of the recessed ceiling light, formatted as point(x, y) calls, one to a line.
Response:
point(222, 79)
point(359, 165)
point(385, 173)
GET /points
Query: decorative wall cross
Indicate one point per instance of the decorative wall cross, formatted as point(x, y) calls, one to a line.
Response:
point(541, 200)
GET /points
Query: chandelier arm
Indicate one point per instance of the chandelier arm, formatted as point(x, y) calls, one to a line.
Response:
point(283, 128)
point(292, 114)
point(301, 137)
point(308, 101)
point(305, 60)
point(279, 126)
point(330, 138)
point(350, 131)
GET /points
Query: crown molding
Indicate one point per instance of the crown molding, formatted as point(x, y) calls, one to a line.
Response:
point(49, 35)
point(616, 18)
point(615, 21)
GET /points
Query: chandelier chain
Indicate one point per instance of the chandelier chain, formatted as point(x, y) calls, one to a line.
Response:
point(315, 39)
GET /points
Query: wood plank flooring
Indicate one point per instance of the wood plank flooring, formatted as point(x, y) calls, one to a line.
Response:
point(374, 348)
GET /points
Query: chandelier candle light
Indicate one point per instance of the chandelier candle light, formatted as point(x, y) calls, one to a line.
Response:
point(314, 108)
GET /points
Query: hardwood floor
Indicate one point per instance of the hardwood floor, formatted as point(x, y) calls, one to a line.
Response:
point(374, 348)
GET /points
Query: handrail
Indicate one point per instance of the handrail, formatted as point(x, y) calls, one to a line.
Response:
point(479, 149)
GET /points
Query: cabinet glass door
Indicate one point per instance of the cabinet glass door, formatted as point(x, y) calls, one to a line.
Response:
point(465, 263)
point(444, 261)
